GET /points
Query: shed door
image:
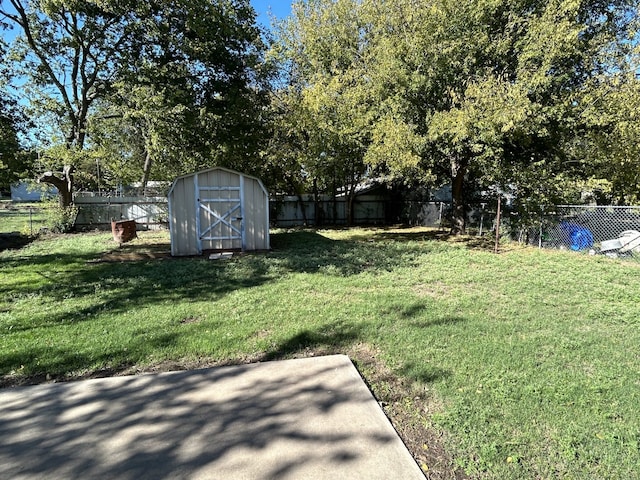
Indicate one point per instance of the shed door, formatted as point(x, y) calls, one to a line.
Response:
point(219, 218)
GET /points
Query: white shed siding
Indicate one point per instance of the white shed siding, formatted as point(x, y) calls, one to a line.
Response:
point(257, 220)
point(182, 217)
point(198, 201)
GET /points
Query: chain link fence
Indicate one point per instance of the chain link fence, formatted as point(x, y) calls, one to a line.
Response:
point(480, 216)
point(612, 231)
point(22, 219)
point(608, 230)
point(599, 230)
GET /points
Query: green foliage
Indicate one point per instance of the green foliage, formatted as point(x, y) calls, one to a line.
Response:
point(11, 165)
point(14, 164)
point(9, 146)
point(491, 112)
point(152, 90)
point(60, 219)
point(483, 93)
point(612, 150)
point(199, 84)
point(323, 109)
point(66, 54)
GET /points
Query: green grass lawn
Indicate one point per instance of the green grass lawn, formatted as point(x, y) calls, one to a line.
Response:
point(531, 357)
point(22, 218)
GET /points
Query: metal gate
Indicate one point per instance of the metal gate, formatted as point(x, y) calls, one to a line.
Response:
point(219, 217)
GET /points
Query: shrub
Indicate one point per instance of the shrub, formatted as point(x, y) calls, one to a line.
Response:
point(61, 219)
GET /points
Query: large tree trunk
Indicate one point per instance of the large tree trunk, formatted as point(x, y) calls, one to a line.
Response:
point(351, 196)
point(318, 212)
point(303, 209)
point(458, 217)
point(146, 172)
point(63, 182)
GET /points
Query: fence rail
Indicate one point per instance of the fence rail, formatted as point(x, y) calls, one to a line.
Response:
point(288, 212)
point(613, 231)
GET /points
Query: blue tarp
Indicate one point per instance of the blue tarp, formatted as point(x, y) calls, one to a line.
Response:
point(579, 237)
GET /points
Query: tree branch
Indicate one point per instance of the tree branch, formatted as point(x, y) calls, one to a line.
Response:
point(23, 21)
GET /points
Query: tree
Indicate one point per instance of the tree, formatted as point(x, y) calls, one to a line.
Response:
point(508, 79)
point(489, 91)
point(611, 150)
point(196, 62)
point(70, 52)
point(10, 161)
point(13, 162)
point(198, 82)
point(322, 104)
point(9, 145)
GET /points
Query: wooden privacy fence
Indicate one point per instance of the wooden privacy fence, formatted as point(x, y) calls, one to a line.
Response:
point(285, 211)
point(292, 211)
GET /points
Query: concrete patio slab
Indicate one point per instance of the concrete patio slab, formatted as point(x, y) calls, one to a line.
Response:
point(310, 418)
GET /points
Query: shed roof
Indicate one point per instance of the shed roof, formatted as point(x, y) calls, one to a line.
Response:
point(224, 169)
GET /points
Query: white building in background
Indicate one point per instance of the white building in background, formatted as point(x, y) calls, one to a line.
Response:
point(29, 192)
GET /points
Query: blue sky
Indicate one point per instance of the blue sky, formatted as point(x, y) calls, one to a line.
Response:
point(264, 8)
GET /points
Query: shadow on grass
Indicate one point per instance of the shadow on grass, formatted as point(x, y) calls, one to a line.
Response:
point(376, 251)
point(116, 286)
point(311, 252)
point(14, 241)
point(442, 237)
point(436, 322)
point(31, 366)
point(144, 274)
point(423, 373)
point(130, 252)
point(84, 287)
point(401, 235)
point(327, 339)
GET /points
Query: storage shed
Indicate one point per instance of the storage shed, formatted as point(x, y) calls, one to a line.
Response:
point(218, 210)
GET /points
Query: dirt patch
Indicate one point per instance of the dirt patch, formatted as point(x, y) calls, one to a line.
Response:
point(188, 320)
point(432, 290)
point(262, 334)
point(408, 408)
point(135, 253)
